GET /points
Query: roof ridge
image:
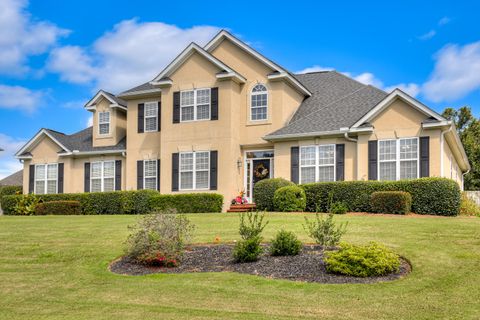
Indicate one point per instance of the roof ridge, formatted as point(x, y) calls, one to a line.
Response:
point(55, 131)
point(314, 72)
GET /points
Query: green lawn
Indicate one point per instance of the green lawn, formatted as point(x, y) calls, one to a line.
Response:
point(55, 267)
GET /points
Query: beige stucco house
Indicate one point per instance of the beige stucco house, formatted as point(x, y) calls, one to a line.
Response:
point(221, 117)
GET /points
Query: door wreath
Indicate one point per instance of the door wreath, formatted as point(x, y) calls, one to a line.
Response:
point(260, 171)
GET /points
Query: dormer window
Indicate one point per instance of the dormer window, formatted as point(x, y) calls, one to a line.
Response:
point(195, 105)
point(104, 122)
point(151, 116)
point(259, 103)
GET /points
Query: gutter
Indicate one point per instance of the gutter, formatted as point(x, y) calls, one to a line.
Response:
point(86, 153)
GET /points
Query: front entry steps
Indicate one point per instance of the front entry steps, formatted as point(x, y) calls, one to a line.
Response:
point(242, 207)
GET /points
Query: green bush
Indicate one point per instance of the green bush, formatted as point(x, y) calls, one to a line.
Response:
point(397, 202)
point(373, 259)
point(468, 207)
point(252, 226)
point(264, 191)
point(324, 231)
point(188, 202)
point(26, 204)
point(10, 190)
point(338, 208)
point(64, 207)
point(248, 250)
point(289, 199)
point(159, 239)
point(285, 243)
point(437, 196)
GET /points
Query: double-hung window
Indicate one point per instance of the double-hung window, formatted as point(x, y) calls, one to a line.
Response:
point(102, 176)
point(46, 178)
point(104, 122)
point(317, 163)
point(259, 103)
point(151, 116)
point(195, 105)
point(398, 159)
point(150, 174)
point(194, 170)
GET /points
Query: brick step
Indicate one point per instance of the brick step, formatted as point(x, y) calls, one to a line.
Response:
point(242, 207)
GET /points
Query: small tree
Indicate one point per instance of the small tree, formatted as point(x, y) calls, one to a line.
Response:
point(253, 225)
point(324, 231)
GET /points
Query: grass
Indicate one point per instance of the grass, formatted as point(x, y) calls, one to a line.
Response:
point(55, 267)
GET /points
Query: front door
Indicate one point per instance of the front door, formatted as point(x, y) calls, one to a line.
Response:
point(259, 166)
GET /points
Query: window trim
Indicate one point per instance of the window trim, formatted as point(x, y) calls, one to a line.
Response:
point(397, 160)
point(194, 171)
point(317, 164)
point(145, 117)
point(102, 176)
point(100, 123)
point(195, 105)
point(252, 107)
point(45, 180)
point(149, 177)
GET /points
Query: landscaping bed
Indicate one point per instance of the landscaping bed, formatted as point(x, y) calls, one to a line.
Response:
point(308, 266)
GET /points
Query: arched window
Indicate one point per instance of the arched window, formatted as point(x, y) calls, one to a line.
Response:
point(259, 103)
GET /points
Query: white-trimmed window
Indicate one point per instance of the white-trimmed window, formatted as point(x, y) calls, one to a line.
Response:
point(195, 105)
point(104, 122)
point(259, 103)
point(398, 159)
point(150, 174)
point(102, 176)
point(46, 178)
point(194, 170)
point(151, 116)
point(317, 163)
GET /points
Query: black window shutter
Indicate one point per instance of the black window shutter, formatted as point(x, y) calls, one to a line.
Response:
point(294, 164)
point(213, 170)
point(141, 117)
point(60, 178)
point(139, 174)
point(214, 103)
point(424, 157)
point(176, 107)
point(372, 160)
point(86, 180)
point(159, 116)
point(31, 178)
point(118, 175)
point(340, 162)
point(158, 175)
point(175, 159)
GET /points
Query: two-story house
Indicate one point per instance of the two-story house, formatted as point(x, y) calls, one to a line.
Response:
point(221, 117)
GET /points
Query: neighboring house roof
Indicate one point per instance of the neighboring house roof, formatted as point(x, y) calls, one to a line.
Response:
point(15, 179)
point(146, 87)
point(77, 143)
point(115, 102)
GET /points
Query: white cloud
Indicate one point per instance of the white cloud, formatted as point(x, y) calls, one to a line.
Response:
point(443, 21)
point(17, 97)
point(412, 89)
point(130, 54)
point(89, 121)
point(314, 68)
point(368, 79)
point(456, 73)
point(8, 164)
point(427, 36)
point(22, 36)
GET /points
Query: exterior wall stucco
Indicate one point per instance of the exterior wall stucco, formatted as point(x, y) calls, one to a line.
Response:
point(118, 125)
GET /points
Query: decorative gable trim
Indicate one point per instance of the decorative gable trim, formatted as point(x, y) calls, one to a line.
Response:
point(162, 78)
point(92, 104)
point(32, 142)
point(279, 72)
point(397, 93)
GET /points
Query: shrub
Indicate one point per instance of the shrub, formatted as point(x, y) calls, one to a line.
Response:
point(264, 191)
point(289, 198)
point(468, 207)
point(248, 250)
point(338, 208)
point(10, 190)
point(438, 196)
point(398, 202)
point(65, 207)
point(159, 239)
point(285, 243)
point(25, 206)
point(324, 231)
point(188, 202)
point(373, 259)
point(252, 226)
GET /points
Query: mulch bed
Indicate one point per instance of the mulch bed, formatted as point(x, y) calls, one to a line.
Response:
point(308, 266)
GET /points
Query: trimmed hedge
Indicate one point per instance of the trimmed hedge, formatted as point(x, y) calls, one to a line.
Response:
point(397, 202)
point(264, 191)
point(9, 190)
point(436, 196)
point(188, 202)
point(289, 199)
point(58, 207)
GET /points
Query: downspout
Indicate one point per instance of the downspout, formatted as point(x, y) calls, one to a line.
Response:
point(442, 141)
point(124, 154)
point(463, 179)
point(356, 155)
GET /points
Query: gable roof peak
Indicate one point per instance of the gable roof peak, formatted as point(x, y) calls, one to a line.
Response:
point(115, 102)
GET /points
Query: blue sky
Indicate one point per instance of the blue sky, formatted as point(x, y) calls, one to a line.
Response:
point(54, 55)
